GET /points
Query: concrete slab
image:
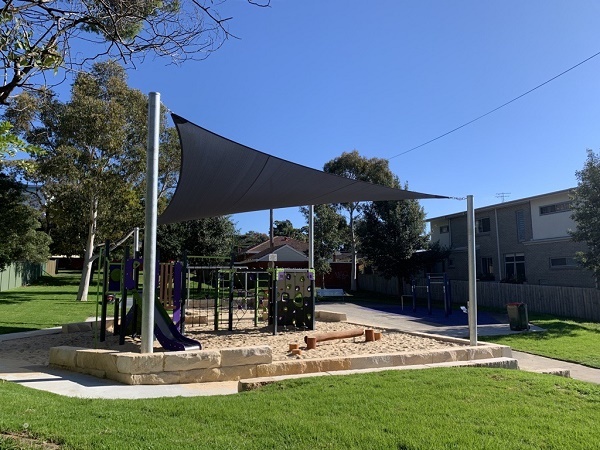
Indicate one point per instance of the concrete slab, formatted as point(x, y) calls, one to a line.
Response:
point(73, 384)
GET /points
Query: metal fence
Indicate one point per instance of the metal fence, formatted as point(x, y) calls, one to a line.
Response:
point(582, 303)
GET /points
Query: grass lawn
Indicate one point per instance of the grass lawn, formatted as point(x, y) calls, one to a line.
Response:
point(565, 339)
point(50, 302)
point(453, 408)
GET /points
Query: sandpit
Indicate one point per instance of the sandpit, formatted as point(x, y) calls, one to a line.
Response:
point(36, 349)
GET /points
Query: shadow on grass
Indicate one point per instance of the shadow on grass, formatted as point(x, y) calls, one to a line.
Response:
point(8, 298)
point(7, 329)
point(65, 280)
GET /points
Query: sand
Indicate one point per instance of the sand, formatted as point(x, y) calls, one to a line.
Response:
point(35, 350)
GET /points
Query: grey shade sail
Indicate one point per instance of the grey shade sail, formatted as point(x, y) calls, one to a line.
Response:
point(221, 177)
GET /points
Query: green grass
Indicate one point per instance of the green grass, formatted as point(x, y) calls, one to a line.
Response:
point(462, 408)
point(565, 339)
point(48, 303)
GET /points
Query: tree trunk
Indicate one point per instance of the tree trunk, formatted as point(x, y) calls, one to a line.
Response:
point(86, 274)
point(353, 243)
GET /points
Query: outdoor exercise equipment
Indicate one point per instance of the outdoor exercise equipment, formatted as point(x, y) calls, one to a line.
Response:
point(432, 279)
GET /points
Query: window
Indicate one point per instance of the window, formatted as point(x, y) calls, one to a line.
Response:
point(514, 266)
point(520, 216)
point(555, 208)
point(559, 263)
point(444, 229)
point(487, 269)
point(482, 225)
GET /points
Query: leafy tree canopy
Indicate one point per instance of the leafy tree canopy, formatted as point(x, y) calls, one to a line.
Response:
point(251, 239)
point(586, 212)
point(354, 166)
point(92, 168)
point(213, 236)
point(286, 228)
point(330, 235)
point(39, 37)
point(20, 239)
point(390, 234)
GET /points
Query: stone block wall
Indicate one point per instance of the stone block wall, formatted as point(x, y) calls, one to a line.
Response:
point(233, 364)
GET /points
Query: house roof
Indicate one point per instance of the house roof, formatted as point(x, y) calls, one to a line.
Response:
point(220, 177)
point(278, 241)
point(268, 251)
point(502, 205)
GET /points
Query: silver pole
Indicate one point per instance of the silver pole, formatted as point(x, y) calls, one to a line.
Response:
point(311, 237)
point(472, 271)
point(136, 241)
point(150, 226)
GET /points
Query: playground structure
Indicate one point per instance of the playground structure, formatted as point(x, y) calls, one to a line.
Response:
point(227, 297)
point(432, 280)
point(122, 278)
point(237, 298)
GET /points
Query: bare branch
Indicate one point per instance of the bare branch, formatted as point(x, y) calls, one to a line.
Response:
point(36, 36)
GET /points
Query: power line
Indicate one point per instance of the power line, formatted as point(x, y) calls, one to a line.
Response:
point(496, 109)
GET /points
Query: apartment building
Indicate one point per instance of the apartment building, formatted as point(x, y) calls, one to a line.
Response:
point(519, 241)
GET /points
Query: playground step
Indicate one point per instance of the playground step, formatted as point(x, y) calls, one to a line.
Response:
point(503, 363)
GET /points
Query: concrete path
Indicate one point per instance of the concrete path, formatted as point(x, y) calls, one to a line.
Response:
point(72, 384)
point(534, 363)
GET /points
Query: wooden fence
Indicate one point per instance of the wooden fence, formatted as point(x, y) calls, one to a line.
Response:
point(19, 274)
point(581, 303)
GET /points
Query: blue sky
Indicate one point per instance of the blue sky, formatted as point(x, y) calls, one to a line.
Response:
point(308, 80)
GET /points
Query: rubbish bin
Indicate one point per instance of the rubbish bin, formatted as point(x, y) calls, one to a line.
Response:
point(517, 316)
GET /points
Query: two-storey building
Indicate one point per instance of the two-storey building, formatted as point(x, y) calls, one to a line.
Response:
point(524, 240)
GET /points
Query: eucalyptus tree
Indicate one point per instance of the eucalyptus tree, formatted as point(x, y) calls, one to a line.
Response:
point(46, 37)
point(92, 168)
point(354, 166)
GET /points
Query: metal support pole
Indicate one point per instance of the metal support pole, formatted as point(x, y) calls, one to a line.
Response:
point(105, 270)
point(147, 344)
point(471, 250)
point(136, 242)
point(311, 237)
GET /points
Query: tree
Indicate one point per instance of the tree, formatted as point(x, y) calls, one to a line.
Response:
point(352, 165)
point(251, 239)
point(213, 236)
point(390, 234)
point(39, 37)
point(286, 228)
point(93, 165)
point(20, 239)
point(330, 235)
point(586, 213)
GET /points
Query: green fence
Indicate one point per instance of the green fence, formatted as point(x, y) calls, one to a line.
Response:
point(20, 274)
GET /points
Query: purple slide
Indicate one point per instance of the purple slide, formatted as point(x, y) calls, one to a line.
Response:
point(167, 334)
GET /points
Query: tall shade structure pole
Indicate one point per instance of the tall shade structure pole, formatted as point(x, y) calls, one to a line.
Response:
point(471, 251)
point(147, 344)
point(311, 237)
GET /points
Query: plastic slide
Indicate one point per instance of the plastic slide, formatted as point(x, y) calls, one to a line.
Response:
point(167, 334)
